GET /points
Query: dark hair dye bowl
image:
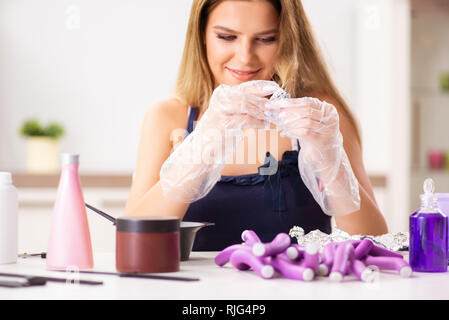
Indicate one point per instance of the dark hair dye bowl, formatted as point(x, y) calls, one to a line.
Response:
point(152, 225)
point(147, 244)
point(188, 233)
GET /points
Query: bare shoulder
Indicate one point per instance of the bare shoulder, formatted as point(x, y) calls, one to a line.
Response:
point(166, 114)
point(160, 121)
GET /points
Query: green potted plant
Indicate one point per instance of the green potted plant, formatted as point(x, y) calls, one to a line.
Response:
point(42, 145)
point(444, 81)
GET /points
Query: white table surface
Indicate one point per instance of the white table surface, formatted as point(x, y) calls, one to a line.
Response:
point(220, 283)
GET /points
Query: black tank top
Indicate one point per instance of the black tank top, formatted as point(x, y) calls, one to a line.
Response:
point(267, 204)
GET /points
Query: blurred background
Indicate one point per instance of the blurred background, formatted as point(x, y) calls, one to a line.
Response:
point(86, 72)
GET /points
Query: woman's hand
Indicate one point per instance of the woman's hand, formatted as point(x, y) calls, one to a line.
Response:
point(315, 124)
point(322, 160)
point(236, 107)
point(195, 165)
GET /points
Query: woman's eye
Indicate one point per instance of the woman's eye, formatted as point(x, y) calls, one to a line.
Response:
point(227, 38)
point(266, 40)
point(230, 38)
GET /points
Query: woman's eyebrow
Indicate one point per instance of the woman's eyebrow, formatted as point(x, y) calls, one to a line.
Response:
point(236, 32)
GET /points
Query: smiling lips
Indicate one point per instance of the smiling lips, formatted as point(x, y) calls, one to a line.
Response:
point(242, 74)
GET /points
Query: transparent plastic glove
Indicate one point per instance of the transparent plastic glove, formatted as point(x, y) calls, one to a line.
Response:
point(322, 160)
point(195, 166)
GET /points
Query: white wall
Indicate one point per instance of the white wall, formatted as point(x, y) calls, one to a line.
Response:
point(334, 25)
point(366, 44)
point(95, 66)
point(383, 80)
point(430, 56)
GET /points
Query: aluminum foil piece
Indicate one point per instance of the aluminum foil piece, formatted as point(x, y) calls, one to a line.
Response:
point(280, 94)
point(392, 241)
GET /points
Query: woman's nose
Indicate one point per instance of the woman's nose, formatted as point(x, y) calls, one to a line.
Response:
point(245, 52)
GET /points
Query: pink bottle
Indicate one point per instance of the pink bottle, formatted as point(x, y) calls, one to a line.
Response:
point(69, 244)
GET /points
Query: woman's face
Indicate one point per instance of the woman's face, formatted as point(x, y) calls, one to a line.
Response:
point(242, 41)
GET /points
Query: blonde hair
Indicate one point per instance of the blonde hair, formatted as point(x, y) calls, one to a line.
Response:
point(300, 68)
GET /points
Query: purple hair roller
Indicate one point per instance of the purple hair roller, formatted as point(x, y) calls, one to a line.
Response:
point(390, 263)
point(363, 248)
point(250, 237)
point(292, 271)
point(344, 254)
point(244, 259)
point(379, 251)
point(225, 255)
point(295, 252)
point(323, 269)
point(327, 259)
point(284, 255)
point(312, 256)
point(328, 254)
point(355, 243)
point(279, 244)
point(362, 271)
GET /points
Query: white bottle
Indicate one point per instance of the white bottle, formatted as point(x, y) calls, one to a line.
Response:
point(8, 219)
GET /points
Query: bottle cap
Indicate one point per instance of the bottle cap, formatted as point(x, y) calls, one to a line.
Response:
point(5, 178)
point(69, 158)
point(428, 198)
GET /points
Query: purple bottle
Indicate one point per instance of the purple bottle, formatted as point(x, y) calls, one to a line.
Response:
point(428, 234)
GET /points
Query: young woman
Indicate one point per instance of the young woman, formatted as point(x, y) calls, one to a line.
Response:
point(229, 44)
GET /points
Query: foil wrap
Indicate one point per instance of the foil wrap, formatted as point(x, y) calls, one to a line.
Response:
point(280, 94)
point(392, 241)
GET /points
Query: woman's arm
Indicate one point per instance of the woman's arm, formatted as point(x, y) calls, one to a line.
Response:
point(146, 197)
point(369, 219)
